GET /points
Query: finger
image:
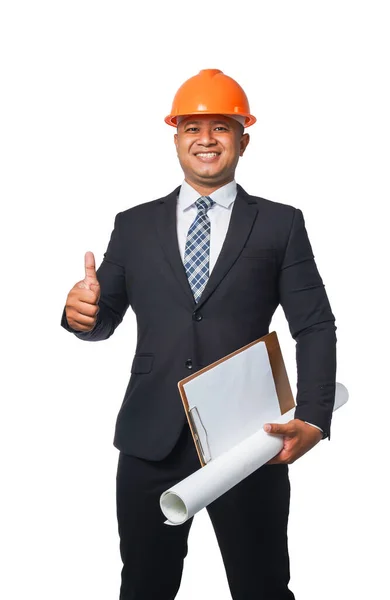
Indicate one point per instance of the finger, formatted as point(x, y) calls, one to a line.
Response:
point(277, 461)
point(82, 321)
point(86, 309)
point(284, 457)
point(83, 294)
point(95, 288)
point(285, 429)
point(90, 269)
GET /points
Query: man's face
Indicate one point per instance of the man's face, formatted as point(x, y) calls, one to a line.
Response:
point(208, 147)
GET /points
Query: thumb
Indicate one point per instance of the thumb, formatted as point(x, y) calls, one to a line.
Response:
point(95, 287)
point(276, 428)
point(90, 271)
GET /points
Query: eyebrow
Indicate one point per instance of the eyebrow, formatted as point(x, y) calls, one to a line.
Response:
point(212, 122)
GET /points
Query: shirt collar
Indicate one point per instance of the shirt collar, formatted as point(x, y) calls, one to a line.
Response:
point(224, 196)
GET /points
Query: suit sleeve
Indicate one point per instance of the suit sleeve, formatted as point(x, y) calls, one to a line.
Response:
point(113, 301)
point(312, 325)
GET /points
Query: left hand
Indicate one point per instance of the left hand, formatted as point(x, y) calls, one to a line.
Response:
point(298, 438)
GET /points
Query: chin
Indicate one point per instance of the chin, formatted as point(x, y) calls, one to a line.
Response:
point(209, 174)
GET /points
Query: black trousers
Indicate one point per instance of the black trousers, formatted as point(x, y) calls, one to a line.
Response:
point(250, 522)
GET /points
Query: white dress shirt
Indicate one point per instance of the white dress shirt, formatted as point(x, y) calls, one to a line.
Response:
point(219, 215)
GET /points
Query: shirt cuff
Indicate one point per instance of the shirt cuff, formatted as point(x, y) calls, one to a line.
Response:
point(316, 426)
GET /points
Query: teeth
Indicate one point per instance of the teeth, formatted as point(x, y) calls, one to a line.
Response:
point(206, 154)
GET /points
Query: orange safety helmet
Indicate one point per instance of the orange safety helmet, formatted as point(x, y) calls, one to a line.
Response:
point(210, 93)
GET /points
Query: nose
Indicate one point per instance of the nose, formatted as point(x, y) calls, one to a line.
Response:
point(206, 137)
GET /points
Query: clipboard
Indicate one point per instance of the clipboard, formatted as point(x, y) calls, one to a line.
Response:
point(233, 397)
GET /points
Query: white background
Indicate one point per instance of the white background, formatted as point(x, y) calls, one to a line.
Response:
point(85, 87)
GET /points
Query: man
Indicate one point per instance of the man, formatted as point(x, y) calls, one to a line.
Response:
point(204, 269)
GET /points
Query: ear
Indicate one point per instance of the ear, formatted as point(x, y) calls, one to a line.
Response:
point(244, 141)
point(176, 140)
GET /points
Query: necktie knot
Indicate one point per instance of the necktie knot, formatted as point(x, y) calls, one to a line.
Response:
point(203, 204)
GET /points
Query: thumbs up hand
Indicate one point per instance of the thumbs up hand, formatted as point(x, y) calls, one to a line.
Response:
point(81, 307)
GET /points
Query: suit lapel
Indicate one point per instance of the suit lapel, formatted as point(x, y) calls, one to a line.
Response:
point(241, 221)
point(167, 234)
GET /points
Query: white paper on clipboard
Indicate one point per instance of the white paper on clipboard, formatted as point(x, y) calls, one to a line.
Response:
point(233, 400)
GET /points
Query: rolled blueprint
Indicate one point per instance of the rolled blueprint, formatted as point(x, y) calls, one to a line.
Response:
point(197, 491)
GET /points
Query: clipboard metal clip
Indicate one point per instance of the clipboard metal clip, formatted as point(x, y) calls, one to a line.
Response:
point(200, 434)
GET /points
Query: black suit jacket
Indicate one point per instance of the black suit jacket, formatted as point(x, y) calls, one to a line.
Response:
point(266, 259)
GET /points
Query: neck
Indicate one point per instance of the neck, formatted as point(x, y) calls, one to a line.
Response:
point(206, 190)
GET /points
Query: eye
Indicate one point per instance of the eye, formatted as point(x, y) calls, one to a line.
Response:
point(191, 129)
point(221, 128)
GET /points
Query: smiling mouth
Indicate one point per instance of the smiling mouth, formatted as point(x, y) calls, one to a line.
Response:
point(207, 155)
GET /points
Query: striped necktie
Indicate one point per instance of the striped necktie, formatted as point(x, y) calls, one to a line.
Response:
point(197, 249)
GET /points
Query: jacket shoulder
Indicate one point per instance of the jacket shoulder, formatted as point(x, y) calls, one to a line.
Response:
point(138, 210)
point(277, 209)
point(279, 217)
point(145, 209)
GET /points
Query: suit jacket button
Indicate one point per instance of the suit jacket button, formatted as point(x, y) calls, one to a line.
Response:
point(189, 363)
point(197, 316)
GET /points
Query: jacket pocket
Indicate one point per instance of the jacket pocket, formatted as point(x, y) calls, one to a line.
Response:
point(142, 363)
